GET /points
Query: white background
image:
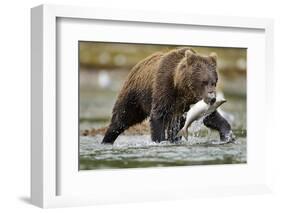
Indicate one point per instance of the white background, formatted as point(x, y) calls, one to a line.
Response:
point(15, 105)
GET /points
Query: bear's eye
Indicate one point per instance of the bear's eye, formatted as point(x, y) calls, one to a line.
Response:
point(204, 83)
point(214, 84)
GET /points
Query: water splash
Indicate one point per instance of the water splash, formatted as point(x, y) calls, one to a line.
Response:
point(140, 151)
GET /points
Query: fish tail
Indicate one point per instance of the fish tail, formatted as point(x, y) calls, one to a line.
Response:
point(183, 133)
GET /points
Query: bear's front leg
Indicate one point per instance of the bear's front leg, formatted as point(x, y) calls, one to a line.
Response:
point(174, 127)
point(219, 123)
point(157, 129)
point(159, 120)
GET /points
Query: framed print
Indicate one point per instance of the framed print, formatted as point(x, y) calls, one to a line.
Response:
point(130, 106)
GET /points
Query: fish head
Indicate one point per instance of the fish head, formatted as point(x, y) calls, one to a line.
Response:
point(213, 107)
point(219, 102)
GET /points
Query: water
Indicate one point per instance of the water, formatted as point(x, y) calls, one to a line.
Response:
point(135, 151)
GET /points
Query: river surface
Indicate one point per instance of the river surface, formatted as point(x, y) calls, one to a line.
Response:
point(140, 151)
point(137, 151)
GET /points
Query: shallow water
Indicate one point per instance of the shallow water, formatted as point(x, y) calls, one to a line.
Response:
point(202, 148)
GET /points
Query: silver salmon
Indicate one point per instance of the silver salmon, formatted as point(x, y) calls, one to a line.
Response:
point(197, 111)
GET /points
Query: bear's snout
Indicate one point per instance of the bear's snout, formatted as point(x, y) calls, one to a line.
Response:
point(212, 101)
point(211, 98)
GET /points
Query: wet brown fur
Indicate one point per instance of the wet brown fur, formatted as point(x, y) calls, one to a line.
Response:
point(161, 86)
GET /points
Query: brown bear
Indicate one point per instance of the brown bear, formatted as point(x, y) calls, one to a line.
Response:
point(162, 87)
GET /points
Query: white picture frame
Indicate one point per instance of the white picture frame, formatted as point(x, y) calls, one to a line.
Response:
point(46, 168)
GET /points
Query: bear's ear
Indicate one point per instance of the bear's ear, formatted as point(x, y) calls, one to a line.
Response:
point(190, 56)
point(214, 57)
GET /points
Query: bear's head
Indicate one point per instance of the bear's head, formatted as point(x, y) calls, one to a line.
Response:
point(196, 76)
